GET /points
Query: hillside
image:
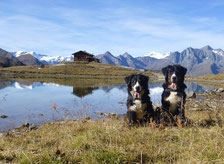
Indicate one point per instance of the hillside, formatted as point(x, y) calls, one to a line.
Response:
point(7, 59)
point(81, 70)
point(29, 60)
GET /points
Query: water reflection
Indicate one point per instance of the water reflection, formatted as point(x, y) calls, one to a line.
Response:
point(83, 91)
point(32, 102)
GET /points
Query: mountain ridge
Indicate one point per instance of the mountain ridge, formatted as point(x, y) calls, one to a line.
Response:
point(198, 61)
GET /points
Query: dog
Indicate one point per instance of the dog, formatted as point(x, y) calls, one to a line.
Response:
point(139, 105)
point(173, 96)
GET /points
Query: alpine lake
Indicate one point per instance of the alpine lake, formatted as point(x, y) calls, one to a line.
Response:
point(39, 102)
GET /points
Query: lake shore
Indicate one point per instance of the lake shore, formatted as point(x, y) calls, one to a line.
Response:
point(88, 74)
point(111, 141)
point(92, 74)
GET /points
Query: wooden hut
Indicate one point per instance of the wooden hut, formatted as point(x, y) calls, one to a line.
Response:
point(84, 56)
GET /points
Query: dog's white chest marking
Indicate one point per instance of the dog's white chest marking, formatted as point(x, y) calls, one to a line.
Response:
point(174, 99)
point(139, 108)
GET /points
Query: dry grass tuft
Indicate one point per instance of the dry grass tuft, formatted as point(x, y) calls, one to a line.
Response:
point(179, 124)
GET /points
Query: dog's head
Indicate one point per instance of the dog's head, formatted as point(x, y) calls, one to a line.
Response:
point(174, 75)
point(137, 85)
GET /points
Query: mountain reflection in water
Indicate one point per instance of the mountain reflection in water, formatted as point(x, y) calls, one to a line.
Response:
point(31, 102)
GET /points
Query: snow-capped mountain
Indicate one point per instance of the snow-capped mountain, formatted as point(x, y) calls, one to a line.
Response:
point(218, 52)
point(203, 61)
point(20, 53)
point(198, 61)
point(157, 55)
point(56, 59)
point(44, 58)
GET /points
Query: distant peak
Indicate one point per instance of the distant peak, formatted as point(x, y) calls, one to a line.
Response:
point(207, 48)
point(126, 54)
point(19, 52)
point(108, 52)
point(31, 52)
point(189, 48)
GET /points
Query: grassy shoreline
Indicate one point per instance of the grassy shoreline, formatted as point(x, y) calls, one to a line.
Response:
point(111, 141)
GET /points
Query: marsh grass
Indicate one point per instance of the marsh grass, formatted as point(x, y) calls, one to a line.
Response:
point(111, 141)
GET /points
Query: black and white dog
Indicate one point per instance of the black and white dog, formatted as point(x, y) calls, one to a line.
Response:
point(173, 96)
point(139, 105)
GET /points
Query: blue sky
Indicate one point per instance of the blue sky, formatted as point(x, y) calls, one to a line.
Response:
point(61, 27)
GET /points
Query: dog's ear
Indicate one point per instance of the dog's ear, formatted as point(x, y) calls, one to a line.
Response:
point(182, 69)
point(145, 78)
point(128, 79)
point(165, 70)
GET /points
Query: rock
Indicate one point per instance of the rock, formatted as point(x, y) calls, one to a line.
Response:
point(87, 118)
point(196, 109)
point(3, 116)
point(26, 125)
point(110, 114)
point(100, 113)
point(113, 114)
point(67, 119)
point(219, 90)
point(2, 135)
point(32, 127)
point(192, 95)
point(106, 114)
point(5, 134)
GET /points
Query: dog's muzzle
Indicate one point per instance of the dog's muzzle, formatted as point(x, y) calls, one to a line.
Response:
point(174, 80)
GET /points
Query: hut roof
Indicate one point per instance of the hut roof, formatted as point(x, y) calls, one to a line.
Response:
point(82, 53)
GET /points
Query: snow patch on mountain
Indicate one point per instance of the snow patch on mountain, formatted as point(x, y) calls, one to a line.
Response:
point(219, 52)
point(44, 58)
point(157, 55)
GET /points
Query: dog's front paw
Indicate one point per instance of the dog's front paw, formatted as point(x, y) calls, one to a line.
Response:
point(132, 108)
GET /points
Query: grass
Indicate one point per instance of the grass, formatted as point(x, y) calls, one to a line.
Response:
point(209, 80)
point(94, 70)
point(111, 141)
point(212, 77)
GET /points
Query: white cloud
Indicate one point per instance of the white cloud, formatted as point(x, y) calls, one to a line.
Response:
point(61, 30)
